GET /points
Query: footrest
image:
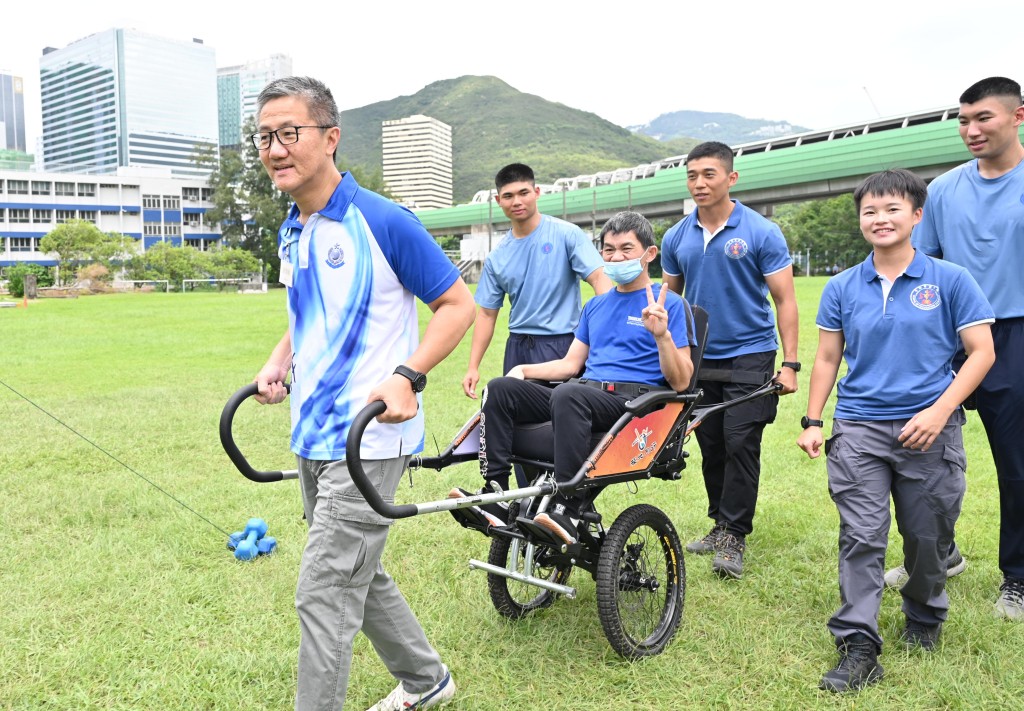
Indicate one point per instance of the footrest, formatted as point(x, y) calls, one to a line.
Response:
point(470, 518)
point(538, 533)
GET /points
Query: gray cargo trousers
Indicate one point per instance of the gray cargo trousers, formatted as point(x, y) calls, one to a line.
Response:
point(867, 463)
point(343, 588)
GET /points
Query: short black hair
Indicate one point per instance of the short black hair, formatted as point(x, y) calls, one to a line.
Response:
point(712, 149)
point(999, 87)
point(623, 222)
point(514, 173)
point(898, 181)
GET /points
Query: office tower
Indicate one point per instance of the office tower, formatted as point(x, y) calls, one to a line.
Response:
point(237, 89)
point(12, 113)
point(418, 161)
point(125, 98)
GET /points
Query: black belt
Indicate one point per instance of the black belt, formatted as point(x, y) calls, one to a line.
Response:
point(744, 377)
point(630, 390)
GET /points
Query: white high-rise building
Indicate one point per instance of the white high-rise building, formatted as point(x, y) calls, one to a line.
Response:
point(124, 98)
point(418, 161)
point(237, 90)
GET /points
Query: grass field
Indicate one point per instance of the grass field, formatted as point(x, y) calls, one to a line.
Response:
point(115, 595)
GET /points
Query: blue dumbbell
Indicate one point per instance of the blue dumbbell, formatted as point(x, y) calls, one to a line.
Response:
point(234, 539)
point(248, 548)
point(266, 545)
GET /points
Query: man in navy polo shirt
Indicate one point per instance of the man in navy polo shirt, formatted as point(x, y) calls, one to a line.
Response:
point(975, 218)
point(727, 258)
point(897, 320)
point(637, 336)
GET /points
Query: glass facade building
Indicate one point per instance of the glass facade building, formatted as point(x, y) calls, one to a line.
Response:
point(12, 113)
point(124, 98)
point(237, 90)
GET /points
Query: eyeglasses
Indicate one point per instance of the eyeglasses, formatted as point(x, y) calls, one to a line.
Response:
point(285, 136)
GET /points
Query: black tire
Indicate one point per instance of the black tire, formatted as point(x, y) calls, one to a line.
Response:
point(641, 582)
point(513, 599)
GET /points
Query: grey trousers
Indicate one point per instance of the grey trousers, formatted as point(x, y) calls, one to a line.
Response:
point(866, 463)
point(343, 588)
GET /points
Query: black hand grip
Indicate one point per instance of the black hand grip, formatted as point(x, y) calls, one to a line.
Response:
point(355, 465)
point(228, 442)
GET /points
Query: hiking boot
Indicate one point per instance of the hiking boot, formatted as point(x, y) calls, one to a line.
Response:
point(496, 513)
point(728, 562)
point(402, 700)
point(955, 564)
point(1011, 599)
point(709, 543)
point(559, 522)
point(916, 634)
point(858, 665)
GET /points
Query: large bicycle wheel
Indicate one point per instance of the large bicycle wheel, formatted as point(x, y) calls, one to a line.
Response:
point(641, 582)
point(513, 599)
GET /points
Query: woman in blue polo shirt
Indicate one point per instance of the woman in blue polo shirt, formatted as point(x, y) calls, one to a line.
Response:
point(896, 319)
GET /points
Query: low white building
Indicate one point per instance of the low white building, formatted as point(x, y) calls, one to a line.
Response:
point(145, 204)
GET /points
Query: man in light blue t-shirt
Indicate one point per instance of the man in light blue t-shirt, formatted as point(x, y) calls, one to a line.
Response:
point(974, 217)
point(539, 265)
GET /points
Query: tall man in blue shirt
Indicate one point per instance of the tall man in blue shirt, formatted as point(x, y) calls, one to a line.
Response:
point(727, 258)
point(354, 264)
point(539, 265)
point(975, 218)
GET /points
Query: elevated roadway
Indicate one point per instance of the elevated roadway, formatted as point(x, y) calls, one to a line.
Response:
point(806, 166)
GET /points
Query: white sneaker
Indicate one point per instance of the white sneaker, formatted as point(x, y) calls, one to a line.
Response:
point(402, 700)
point(1011, 599)
point(898, 576)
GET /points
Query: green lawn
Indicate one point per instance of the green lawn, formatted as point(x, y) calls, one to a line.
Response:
point(117, 596)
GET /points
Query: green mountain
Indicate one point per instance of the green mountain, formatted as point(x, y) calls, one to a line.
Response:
point(493, 124)
point(731, 129)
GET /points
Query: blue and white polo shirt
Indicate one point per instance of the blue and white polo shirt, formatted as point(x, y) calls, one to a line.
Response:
point(358, 266)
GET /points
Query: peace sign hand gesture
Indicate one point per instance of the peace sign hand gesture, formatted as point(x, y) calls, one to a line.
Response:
point(655, 317)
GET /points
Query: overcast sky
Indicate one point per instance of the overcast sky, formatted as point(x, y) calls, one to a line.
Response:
point(815, 64)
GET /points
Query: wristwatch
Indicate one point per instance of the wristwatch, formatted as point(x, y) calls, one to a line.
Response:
point(806, 422)
point(418, 380)
point(795, 365)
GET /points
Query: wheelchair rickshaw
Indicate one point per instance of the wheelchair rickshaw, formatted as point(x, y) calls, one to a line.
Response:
point(637, 563)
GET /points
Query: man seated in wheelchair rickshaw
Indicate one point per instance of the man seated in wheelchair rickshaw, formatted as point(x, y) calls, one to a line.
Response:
point(631, 340)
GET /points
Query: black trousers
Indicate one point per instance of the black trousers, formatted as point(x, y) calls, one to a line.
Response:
point(574, 410)
point(999, 399)
point(730, 442)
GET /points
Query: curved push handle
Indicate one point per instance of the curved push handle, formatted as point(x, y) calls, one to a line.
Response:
point(355, 465)
point(228, 441)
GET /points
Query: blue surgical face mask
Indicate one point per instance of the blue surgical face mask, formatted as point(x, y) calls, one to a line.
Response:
point(625, 271)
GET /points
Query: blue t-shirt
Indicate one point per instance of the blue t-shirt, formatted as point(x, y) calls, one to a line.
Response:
point(978, 223)
point(899, 350)
point(622, 350)
point(356, 267)
point(541, 274)
point(727, 278)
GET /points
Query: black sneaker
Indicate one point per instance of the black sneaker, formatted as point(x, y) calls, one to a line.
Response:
point(858, 665)
point(709, 543)
point(496, 514)
point(560, 523)
point(916, 634)
point(728, 562)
